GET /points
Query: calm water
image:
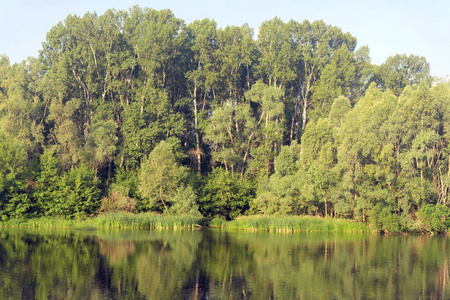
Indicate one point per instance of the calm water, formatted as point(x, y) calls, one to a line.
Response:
point(214, 264)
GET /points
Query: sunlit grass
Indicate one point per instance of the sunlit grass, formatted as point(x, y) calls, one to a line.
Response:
point(113, 220)
point(42, 222)
point(156, 221)
point(301, 224)
point(217, 222)
point(144, 220)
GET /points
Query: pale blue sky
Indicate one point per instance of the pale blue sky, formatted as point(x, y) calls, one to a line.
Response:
point(388, 27)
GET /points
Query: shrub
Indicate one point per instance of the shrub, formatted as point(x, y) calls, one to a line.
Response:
point(433, 218)
point(226, 194)
point(117, 202)
point(383, 219)
point(185, 202)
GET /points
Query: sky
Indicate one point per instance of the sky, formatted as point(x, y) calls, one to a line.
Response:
point(387, 27)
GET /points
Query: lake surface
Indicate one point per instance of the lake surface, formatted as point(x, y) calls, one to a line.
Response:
point(215, 264)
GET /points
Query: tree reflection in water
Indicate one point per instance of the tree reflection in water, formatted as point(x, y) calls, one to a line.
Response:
point(214, 264)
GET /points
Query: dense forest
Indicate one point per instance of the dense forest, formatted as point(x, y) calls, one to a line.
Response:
point(137, 111)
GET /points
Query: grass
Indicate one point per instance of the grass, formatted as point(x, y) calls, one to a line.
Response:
point(155, 221)
point(300, 224)
point(42, 222)
point(217, 222)
point(113, 220)
point(144, 220)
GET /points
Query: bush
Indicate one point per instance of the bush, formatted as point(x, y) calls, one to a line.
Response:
point(383, 219)
point(226, 194)
point(185, 202)
point(117, 202)
point(433, 218)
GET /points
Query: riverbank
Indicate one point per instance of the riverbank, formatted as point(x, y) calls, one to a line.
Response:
point(292, 224)
point(115, 220)
point(156, 221)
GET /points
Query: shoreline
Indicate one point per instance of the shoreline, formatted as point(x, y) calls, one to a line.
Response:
point(256, 223)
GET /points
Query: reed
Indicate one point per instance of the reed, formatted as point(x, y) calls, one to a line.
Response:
point(217, 222)
point(144, 220)
point(300, 224)
point(42, 222)
point(112, 220)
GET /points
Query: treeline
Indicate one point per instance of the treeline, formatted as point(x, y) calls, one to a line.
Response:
point(137, 111)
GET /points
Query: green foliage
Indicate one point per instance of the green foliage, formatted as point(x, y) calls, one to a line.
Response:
point(401, 70)
point(293, 122)
point(127, 183)
point(225, 194)
point(285, 163)
point(184, 202)
point(277, 195)
point(47, 183)
point(277, 62)
point(74, 193)
point(161, 174)
point(101, 144)
point(433, 218)
point(77, 194)
point(15, 202)
point(383, 219)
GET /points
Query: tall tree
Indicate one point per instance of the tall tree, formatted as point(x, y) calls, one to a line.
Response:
point(276, 65)
point(269, 120)
point(399, 71)
point(162, 174)
point(235, 54)
point(203, 76)
point(317, 44)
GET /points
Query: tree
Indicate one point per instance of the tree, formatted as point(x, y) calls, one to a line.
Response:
point(185, 202)
point(145, 124)
point(269, 122)
point(433, 218)
point(74, 193)
point(365, 167)
point(231, 131)
point(277, 61)
point(225, 194)
point(101, 144)
point(334, 81)
point(162, 174)
point(65, 137)
point(318, 157)
point(279, 193)
point(401, 70)
point(15, 202)
point(47, 182)
point(235, 54)
point(203, 76)
point(317, 44)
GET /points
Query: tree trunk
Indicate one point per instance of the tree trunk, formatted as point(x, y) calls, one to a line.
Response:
point(197, 137)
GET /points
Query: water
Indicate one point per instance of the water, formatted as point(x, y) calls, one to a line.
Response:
point(214, 264)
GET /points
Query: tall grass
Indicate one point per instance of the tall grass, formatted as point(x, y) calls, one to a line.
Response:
point(301, 224)
point(144, 220)
point(217, 222)
point(155, 221)
point(42, 222)
point(112, 220)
